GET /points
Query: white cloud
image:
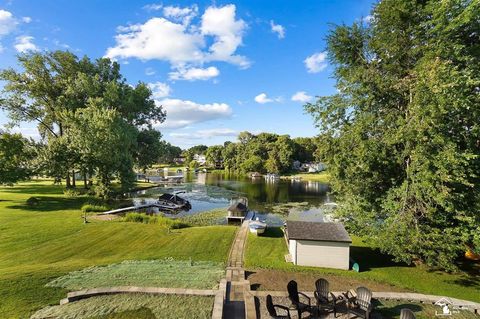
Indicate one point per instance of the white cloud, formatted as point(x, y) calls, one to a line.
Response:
point(278, 29)
point(159, 39)
point(160, 90)
point(316, 62)
point(153, 7)
point(182, 113)
point(149, 71)
point(24, 44)
point(27, 19)
point(301, 96)
point(220, 22)
point(183, 15)
point(262, 98)
point(183, 43)
point(206, 134)
point(193, 74)
point(7, 22)
point(1, 48)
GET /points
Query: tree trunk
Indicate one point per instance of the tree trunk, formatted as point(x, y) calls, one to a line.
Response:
point(85, 180)
point(73, 179)
point(67, 180)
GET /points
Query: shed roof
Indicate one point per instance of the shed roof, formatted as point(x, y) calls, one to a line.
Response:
point(237, 207)
point(317, 231)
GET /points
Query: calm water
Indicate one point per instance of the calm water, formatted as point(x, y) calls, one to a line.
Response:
point(304, 200)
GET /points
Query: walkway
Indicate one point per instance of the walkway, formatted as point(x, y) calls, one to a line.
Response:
point(239, 303)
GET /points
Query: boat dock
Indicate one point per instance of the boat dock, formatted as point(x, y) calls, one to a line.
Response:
point(136, 208)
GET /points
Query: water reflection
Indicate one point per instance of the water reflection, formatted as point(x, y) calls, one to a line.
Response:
point(214, 190)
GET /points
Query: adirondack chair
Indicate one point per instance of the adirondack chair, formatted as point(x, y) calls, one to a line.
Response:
point(361, 303)
point(273, 312)
point(406, 313)
point(325, 299)
point(294, 296)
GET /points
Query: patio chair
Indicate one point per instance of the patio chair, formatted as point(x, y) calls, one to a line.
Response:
point(273, 312)
point(406, 313)
point(325, 299)
point(294, 296)
point(361, 304)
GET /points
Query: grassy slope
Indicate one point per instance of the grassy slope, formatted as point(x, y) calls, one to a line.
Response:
point(41, 243)
point(269, 251)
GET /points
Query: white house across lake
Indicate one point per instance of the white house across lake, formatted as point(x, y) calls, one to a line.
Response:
point(318, 244)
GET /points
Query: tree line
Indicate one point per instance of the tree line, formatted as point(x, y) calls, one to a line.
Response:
point(91, 121)
point(402, 134)
point(264, 152)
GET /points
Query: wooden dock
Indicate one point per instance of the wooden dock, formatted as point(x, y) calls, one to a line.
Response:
point(137, 208)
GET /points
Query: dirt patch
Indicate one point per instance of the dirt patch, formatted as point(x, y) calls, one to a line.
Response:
point(104, 217)
point(263, 279)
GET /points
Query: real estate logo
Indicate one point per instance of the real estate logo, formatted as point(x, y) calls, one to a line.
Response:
point(448, 307)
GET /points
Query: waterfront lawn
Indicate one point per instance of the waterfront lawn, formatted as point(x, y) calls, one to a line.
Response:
point(268, 252)
point(137, 306)
point(42, 242)
point(323, 177)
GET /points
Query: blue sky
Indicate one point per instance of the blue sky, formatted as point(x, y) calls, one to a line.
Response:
point(217, 67)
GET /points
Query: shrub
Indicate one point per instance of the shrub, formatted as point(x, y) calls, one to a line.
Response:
point(87, 208)
point(33, 201)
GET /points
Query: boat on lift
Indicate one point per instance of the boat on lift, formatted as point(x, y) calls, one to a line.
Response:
point(257, 226)
point(174, 201)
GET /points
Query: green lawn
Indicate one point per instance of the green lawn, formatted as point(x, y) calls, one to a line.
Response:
point(41, 243)
point(129, 306)
point(323, 177)
point(268, 252)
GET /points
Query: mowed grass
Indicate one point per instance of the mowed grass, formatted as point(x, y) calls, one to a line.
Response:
point(138, 306)
point(268, 252)
point(146, 273)
point(43, 242)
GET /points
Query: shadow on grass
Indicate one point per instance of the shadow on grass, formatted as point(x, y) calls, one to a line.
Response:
point(470, 274)
point(34, 189)
point(393, 312)
point(369, 258)
point(47, 203)
point(273, 232)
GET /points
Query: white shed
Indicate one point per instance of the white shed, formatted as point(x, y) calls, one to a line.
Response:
point(318, 244)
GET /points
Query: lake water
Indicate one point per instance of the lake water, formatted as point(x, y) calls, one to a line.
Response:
point(273, 201)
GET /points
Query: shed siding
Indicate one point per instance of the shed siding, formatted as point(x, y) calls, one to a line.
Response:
point(292, 248)
point(322, 254)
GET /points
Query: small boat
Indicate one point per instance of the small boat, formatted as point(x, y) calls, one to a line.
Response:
point(255, 175)
point(272, 177)
point(174, 201)
point(257, 227)
point(204, 170)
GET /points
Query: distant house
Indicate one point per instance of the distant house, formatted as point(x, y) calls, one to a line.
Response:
point(200, 159)
point(179, 160)
point(313, 167)
point(318, 244)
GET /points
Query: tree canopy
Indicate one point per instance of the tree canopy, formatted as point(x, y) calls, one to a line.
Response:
point(90, 118)
point(401, 135)
point(16, 153)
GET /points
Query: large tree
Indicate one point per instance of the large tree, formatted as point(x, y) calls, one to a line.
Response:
point(401, 136)
point(15, 155)
point(49, 84)
point(49, 87)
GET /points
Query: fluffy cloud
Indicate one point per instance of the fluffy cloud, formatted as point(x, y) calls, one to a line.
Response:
point(183, 43)
point(182, 113)
point(278, 29)
point(301, 96)
point(159, 90)
point(262, 98)
point(193, 74)
point(24, 44)
point(7, 22)
point(153, 7)
point(184, 15)
point(149, 71)
point(206, 134)
point(316, 62)
point(27, 19)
